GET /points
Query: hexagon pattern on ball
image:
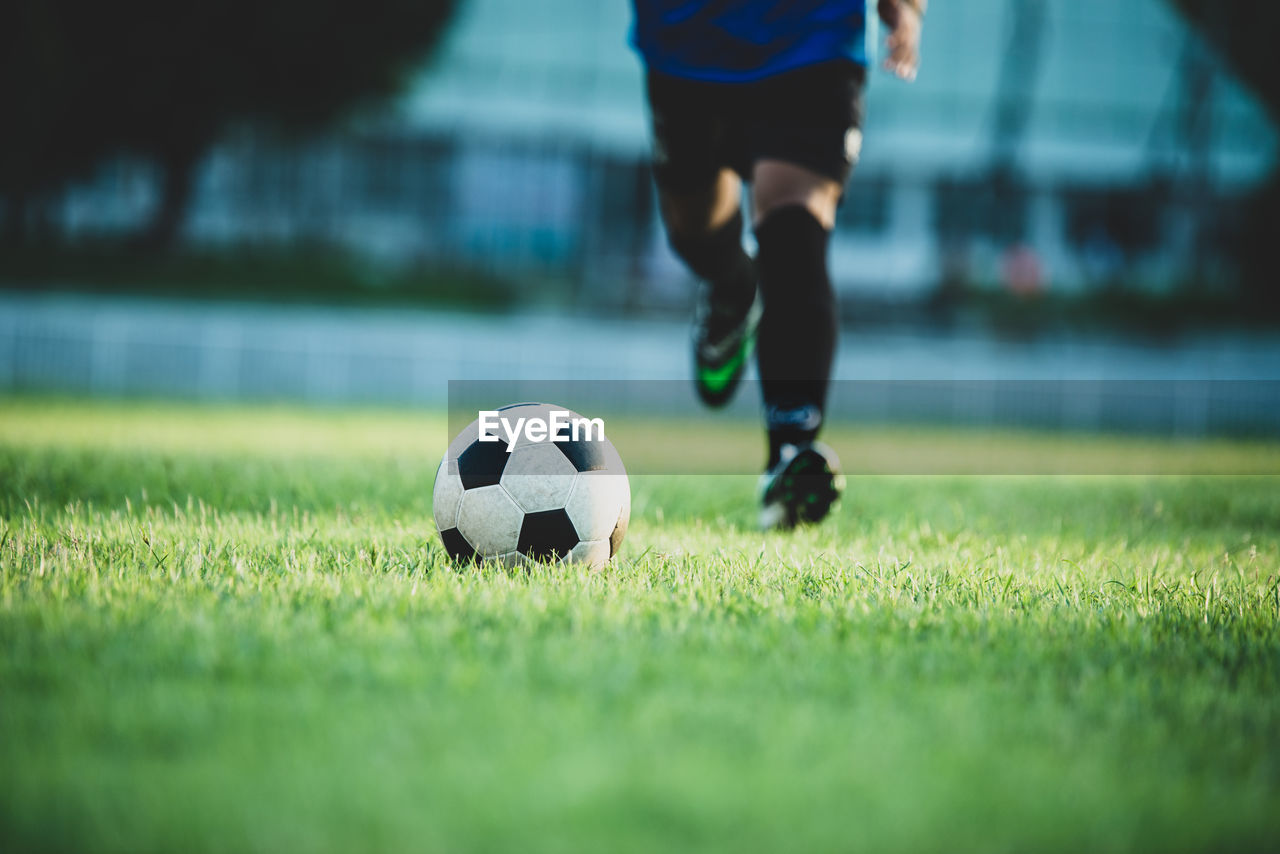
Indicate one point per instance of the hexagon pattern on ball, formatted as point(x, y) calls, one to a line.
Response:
point(490, 520)
point(456, 545)
point(482, 463)
point(544, 501)
point(538, 477)
point(547, 535)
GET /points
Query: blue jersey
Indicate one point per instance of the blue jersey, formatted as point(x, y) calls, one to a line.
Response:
point(735, 41)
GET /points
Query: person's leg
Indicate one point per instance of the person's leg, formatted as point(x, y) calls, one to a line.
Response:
point(805, 139)
point(686, 214)
point(705, 231)
point(704, 228)
point(699, 197)
point(778, 184)
point(696, 139)
point(794, 209)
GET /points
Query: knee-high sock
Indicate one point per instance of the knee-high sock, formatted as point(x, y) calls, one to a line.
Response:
point(797, 337)
point(717, 257)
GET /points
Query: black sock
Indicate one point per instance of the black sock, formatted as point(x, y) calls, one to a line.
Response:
point(717, 257)
point(797, 337)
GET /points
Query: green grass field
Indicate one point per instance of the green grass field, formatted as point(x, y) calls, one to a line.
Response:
point(235, 630)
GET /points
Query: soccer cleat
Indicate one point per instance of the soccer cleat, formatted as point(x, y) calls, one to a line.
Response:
point(802, 488)
point(723, 338)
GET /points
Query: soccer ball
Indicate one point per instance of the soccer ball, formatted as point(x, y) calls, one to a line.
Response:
point(511, 491)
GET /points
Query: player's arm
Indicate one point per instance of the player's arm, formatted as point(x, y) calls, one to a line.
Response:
point(904, 19)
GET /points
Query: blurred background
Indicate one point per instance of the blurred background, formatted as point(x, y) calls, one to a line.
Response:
point(338, 202)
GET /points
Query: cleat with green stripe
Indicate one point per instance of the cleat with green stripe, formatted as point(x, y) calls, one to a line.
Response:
point(723, 340)
point(802, 488)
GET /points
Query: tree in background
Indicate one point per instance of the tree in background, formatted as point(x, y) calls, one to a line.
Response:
point(1245, 34)
point(81, 80)
point(46, 97)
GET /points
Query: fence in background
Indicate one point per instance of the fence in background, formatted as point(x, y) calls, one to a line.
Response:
point(112, 347)
point(584, 220)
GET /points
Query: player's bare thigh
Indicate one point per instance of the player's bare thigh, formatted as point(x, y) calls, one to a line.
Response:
point(703, 210)
point(777, 184)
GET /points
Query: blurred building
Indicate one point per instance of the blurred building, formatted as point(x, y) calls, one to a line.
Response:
point(1069, 144)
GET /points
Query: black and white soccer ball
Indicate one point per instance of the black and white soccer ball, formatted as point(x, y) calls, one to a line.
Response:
point(546, 500)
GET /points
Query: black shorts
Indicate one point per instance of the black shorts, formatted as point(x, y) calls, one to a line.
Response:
point(811, 117)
